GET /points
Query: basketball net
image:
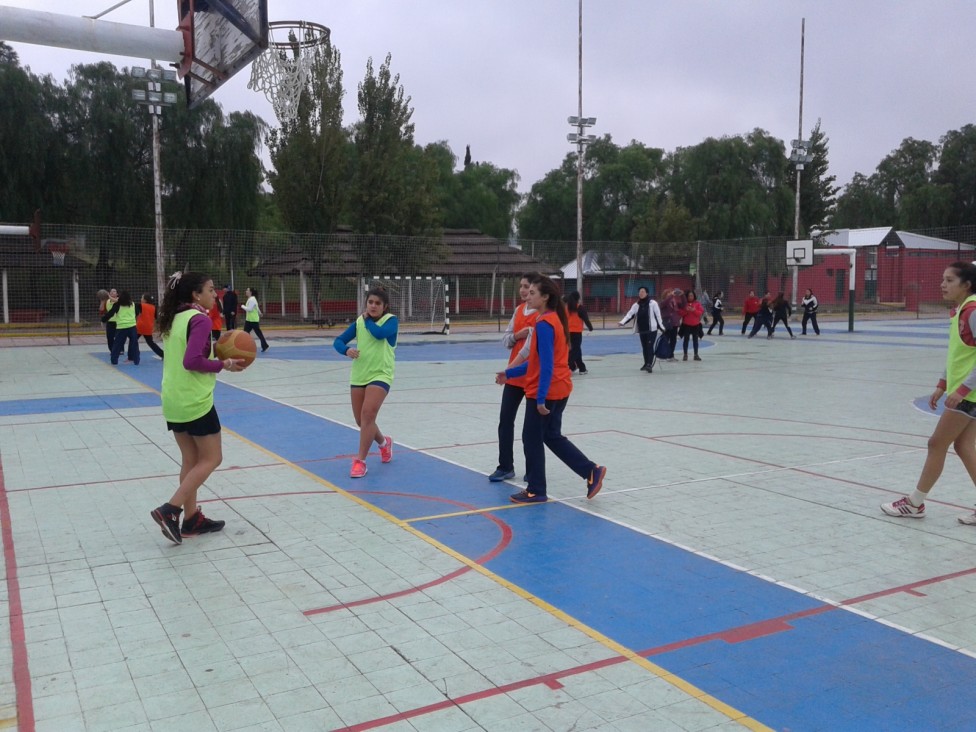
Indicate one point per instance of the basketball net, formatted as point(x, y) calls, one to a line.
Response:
point(58, 254)
point(282, 71)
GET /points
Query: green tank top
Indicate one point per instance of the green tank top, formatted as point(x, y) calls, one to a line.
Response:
point(186, 395)
point(376, 356)
point(126, 317)
point(960, 359)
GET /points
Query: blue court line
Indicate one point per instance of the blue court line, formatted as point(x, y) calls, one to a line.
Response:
point(830, 671)
point(18, 407)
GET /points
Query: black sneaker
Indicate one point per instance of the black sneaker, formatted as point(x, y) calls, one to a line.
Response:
point(200, 524)
point(169, 523)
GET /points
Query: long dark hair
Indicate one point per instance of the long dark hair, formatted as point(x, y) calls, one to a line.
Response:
point(179, 293)
point(125, 299)
point(572, 301)
point(779, 301)
point(554, 301)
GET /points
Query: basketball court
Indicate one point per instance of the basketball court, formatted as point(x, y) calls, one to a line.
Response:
point(735, 571)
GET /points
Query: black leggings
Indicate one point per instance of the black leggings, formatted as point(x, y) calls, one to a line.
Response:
point(152, 345)
point(250, 325)
point(718, 320)
point(576, 353)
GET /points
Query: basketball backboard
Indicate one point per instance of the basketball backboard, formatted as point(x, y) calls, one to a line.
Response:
point(799, 253)
point(223, 36)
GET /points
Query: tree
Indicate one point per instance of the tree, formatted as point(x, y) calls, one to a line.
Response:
point(486, 199)
point(957, 171)
point(734, 187)
point(393, 188)
point(30, 146)
point(860, 205)
point(311, 156)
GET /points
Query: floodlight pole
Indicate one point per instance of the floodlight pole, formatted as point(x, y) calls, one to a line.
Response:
point(157, 186)
point(581, 140)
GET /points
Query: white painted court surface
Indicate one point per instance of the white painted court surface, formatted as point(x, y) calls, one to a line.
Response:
point(769, 455)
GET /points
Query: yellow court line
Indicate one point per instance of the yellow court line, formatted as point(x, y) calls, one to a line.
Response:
point(688, 688)
point(662, 673)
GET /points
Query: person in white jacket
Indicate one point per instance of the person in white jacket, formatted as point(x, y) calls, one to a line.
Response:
point(252, 316)
point(647, 324)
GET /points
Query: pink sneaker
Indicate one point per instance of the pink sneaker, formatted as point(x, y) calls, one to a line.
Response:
point(358, 469)
point(386, 450)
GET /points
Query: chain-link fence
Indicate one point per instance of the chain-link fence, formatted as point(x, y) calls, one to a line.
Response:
point(461, 276)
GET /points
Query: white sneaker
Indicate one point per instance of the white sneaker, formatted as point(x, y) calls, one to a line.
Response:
point(969, 519)
point(903, 508)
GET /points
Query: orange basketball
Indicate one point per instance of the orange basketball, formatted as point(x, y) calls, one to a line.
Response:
point(236, 344)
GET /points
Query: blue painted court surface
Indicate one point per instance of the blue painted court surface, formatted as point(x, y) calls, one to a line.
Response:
point(737, 546)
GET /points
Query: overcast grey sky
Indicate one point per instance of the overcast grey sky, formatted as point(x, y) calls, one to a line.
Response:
point(501, 75)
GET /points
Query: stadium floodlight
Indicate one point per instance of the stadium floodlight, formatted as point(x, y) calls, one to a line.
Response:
point(572, 137)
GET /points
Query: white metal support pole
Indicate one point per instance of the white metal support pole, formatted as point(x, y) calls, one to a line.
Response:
point(76, 295)
point(579, 166)
point(303, 293)
point(851, 278)
point(799, 167)
point(6, 301)
point(157, 185)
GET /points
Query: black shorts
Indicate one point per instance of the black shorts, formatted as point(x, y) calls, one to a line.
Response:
point(208, 424)
point(966, 407)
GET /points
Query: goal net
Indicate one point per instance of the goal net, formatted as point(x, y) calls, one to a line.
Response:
point(420, 303)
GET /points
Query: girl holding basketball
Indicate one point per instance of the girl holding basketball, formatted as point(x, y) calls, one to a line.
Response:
point(957, 425)
point(373, 360)
point(547, 388)
point(189, 378)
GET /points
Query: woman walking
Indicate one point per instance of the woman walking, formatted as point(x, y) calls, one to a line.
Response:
point(810, 306)
point(647, 324)
point(717, 307)
point(146, 322)
point(189, 378)
point(252, 316)
point(957, 425)
point(576, 314)
point(782, 310)
point(373, 361)
point(691, 326)
point(548, 386)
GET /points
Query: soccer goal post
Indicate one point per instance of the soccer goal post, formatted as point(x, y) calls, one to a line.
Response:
point(420, 303)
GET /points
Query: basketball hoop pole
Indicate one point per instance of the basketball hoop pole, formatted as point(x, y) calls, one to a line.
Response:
point(85, 34)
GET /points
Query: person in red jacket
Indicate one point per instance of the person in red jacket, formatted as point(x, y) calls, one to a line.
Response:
point(691, 319)
point(548, 384)
point(749, 309)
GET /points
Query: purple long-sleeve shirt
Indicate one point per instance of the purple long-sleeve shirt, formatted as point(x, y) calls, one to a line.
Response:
point(197, 356)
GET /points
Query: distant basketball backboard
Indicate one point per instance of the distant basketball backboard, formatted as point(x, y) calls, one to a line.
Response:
point(799, 253)
point(223, 36)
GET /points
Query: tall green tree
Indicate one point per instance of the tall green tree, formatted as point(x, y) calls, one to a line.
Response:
point(486, 199)
point(30, 144)
point(957, 171)
point(393, 189)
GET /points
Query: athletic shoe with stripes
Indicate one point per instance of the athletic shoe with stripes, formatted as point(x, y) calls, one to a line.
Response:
point(903, 508)
point(969, 519)
point(200, 524)
point(386, 450)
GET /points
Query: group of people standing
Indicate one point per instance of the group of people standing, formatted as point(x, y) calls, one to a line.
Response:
point(680, 315)
point(769, 311)
point(127, 321)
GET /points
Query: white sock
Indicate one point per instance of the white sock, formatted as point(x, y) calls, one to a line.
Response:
point(917, 498)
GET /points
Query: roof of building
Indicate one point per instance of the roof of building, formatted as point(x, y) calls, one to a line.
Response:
point(888, 236)
point(465, 252)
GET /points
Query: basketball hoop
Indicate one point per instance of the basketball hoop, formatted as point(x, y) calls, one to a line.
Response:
point(58, 253)
point(282, 71)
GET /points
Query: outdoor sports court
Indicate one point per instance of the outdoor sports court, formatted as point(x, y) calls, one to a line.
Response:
point(734, 572)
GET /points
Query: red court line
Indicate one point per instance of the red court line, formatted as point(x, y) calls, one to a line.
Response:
point(502, 544)
point(18, 638)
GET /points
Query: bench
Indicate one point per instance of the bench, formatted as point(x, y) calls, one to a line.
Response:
point(27, 316)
